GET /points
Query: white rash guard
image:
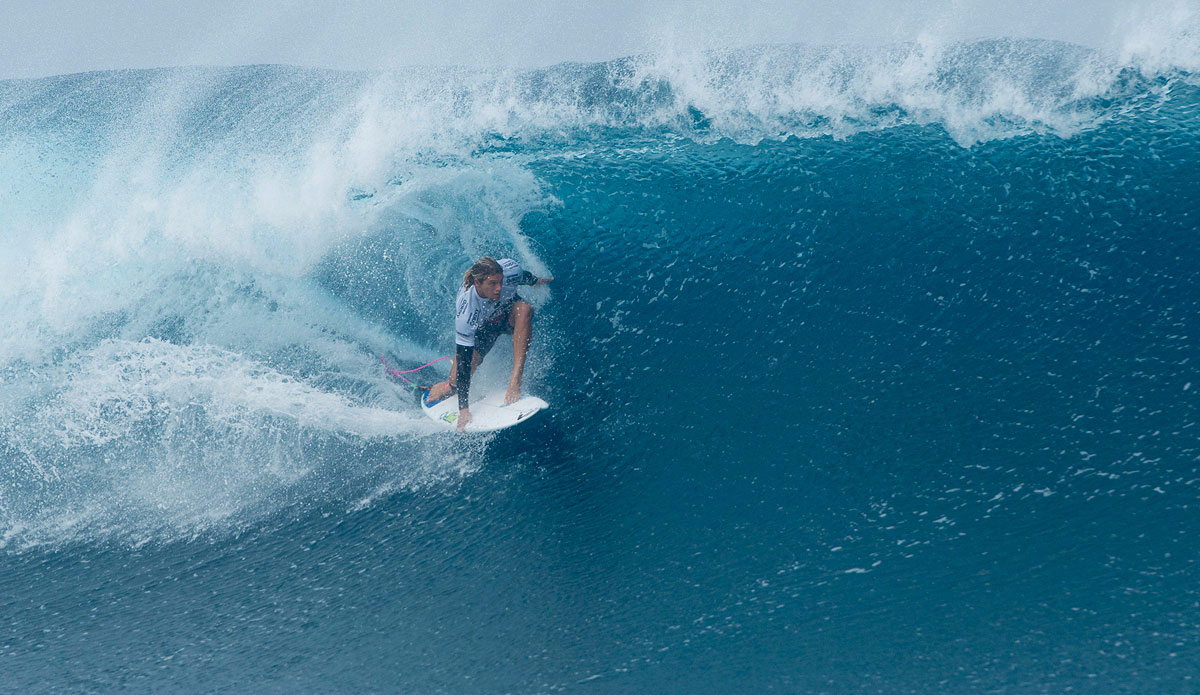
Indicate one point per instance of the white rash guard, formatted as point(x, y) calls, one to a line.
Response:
point(472, 311)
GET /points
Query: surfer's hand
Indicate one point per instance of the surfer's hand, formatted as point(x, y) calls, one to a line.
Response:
point(464, 417)
point(544, 281)
point(512, 395)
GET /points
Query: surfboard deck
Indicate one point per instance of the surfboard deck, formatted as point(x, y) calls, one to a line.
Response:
point(488, 414)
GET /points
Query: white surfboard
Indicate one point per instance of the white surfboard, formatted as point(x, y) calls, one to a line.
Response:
point(487, 414)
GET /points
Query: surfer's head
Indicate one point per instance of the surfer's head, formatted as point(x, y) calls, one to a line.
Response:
point(486, 277)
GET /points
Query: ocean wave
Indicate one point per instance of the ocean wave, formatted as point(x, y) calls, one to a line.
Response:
point(203, 265)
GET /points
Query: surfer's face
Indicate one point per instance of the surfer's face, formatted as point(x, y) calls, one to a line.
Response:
point(489, 287)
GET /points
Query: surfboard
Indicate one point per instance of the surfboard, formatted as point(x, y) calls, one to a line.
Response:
point(488, 414)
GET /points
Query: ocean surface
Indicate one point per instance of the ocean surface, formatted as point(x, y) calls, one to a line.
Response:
point(871, 370)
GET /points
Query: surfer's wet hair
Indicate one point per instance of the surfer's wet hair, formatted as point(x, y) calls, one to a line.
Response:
point(484, 267)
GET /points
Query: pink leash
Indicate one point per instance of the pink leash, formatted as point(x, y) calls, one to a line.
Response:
point(397, 373)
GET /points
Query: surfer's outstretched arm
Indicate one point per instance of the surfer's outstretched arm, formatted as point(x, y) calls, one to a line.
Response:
point(464, 366)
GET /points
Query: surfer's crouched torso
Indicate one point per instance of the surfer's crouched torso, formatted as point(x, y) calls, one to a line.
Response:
point(479, 321)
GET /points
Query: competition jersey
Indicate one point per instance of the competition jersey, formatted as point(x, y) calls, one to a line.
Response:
point(472, 311)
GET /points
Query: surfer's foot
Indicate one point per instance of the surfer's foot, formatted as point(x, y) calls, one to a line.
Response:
point(512, 395)
point(438, 393)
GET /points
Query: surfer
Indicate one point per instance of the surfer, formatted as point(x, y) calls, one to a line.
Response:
point(488, 305)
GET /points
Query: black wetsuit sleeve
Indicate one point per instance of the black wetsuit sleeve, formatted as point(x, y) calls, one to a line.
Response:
point(527, 278)
point(462, 373)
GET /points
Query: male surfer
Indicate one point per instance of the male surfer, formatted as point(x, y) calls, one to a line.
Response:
point(488, 305)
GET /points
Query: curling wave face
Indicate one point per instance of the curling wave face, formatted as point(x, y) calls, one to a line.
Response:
point(201, 265)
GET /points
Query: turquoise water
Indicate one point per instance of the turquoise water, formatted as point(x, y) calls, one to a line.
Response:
point(870, 371)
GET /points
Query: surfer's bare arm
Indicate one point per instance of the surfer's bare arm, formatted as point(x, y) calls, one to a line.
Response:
point(528, 278)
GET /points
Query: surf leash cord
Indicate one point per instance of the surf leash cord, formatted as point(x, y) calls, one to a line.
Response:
point(399, 374)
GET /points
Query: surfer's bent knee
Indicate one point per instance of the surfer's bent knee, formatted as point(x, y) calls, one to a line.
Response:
point(521, 311)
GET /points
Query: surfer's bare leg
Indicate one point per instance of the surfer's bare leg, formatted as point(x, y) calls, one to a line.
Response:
point(521, 320)
point(442, 389)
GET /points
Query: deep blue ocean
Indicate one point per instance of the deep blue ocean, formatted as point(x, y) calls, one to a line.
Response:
point(871, 370)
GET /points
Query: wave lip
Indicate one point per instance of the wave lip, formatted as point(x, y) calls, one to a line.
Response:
point(977, 91)
point(364, 123)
